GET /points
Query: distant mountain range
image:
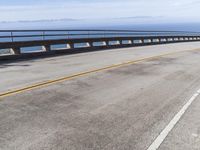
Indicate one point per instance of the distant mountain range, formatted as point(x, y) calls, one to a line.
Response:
point(133, 18)
point(140, 17)
point(42, 20)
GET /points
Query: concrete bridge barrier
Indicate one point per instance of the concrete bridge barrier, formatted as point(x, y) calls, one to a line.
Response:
point(93, 41)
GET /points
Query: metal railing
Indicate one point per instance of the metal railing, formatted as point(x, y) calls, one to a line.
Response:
point(50, 41)
point(34, 35)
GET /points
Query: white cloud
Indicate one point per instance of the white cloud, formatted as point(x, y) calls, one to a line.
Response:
point(100, 9)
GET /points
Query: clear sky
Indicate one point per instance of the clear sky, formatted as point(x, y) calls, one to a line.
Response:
point(142, 10)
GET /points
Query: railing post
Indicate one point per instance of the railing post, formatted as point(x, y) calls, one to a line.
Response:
point(43, 35)
point(89, 44)
point(107, 43)
point(16, 50)
point(68, 35)
point(71, 45)
point(141, 41)
point(12, 36)
point(167, 40)
point(130, 42)
point(157, 40)
point(104, 43)
point(88, 34)
point(46, 48)
point(68, 46)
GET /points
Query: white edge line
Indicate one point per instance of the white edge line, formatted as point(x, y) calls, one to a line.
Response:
point(161, 137)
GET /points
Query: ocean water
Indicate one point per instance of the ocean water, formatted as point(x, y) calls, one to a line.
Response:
point(102, 24)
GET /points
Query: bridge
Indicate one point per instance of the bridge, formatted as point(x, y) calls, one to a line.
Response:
point(99, 90)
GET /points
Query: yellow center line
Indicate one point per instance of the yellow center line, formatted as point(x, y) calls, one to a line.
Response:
point(50, 82)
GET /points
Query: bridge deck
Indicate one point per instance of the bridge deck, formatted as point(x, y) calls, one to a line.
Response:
point(112, 99)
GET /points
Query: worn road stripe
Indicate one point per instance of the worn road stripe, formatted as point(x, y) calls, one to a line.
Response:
point(49, 82)
point(162, 136)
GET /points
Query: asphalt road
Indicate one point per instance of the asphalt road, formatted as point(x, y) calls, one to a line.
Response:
point(122, 107)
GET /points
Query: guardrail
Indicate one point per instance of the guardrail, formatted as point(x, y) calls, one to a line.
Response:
point(50, 41)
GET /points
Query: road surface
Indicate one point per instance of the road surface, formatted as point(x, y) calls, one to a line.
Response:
point(120, 99)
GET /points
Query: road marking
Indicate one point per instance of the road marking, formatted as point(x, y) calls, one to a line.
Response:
point(162, 136)
point(62, 79)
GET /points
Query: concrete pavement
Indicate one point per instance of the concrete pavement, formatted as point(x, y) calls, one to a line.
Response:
point(20, 74)
point(186, 135)
point(121, 108)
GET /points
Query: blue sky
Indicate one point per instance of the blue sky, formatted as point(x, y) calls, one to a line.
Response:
point(93, 10)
